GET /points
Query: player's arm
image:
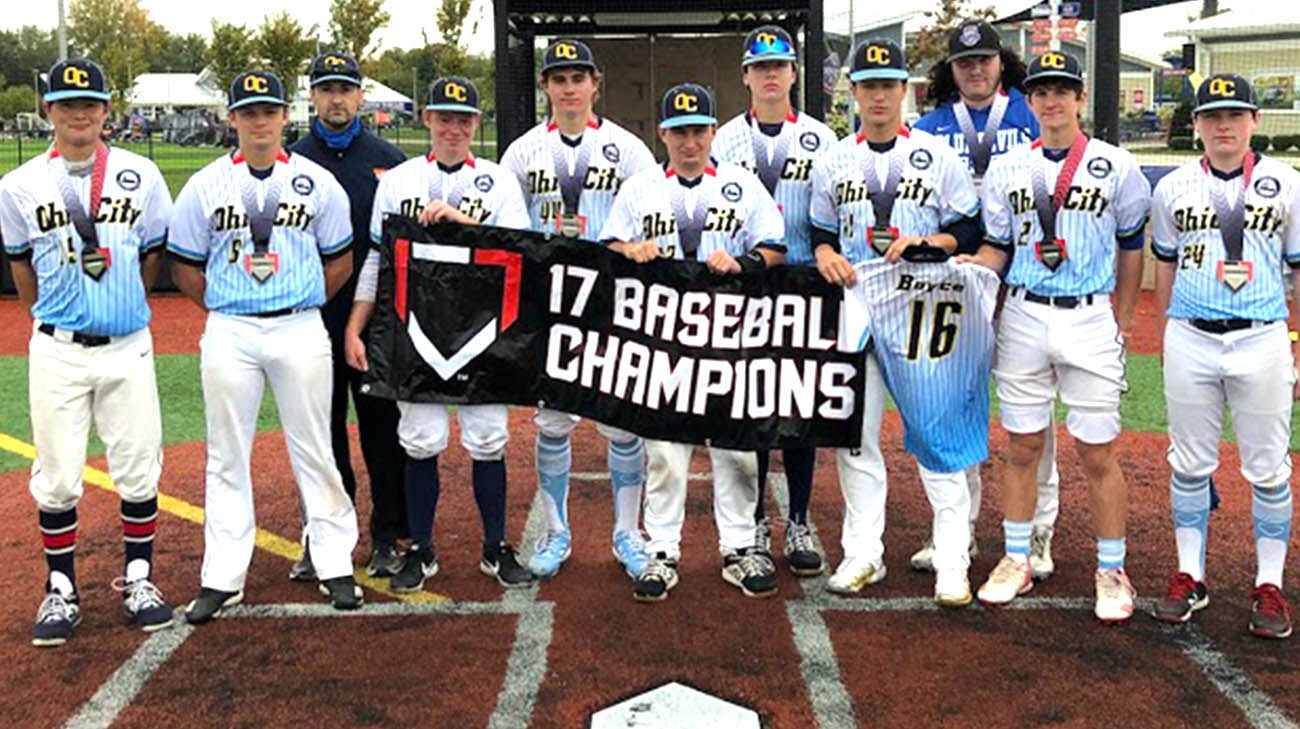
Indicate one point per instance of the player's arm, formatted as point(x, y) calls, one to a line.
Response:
point(337, 270)
point(1164, 247)
point(765, 229)
point(190, 280)
point(150, 266)
point(620, 232)
point(825, 237)
point(1291, 254)
point(153, 228)
point(24, 280)
point(363, 307)
point(333, 231)
point(18, 249)
point(1128, 278)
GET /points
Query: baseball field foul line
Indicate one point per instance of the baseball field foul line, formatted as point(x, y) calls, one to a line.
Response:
point(265, 540)
point(115, 694)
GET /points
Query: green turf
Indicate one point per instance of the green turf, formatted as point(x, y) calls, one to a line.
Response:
point(1142, 409)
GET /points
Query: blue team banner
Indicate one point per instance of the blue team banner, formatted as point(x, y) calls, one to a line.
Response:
point(667, 350)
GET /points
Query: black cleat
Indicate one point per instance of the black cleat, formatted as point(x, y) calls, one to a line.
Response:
point(751, 570)
point(209, 603)
point(502, 562)
point(654, 582)
point(384, 561)
point(344, 592)
point(420, 565)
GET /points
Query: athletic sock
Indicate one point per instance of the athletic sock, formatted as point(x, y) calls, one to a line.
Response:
point(1016, 536)
point(490, 495)
point(554, 458)
point(59, 535)
point(799, 466)
point(139, 522)
point(1190, 500)
point(1271, 508)
point(1110, 553)
point(627, 479)
point(760, 506)
point(421, 498)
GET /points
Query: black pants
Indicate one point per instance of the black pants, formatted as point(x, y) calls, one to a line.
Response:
point(383, 455)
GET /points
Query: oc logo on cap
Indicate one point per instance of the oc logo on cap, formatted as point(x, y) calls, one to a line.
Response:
point(1225, 87)
point(566, 51)
point(1053, 60)
point(78, 77)
point(455, 91)
point(334, 62)
point(685, 101)
point(878, 55)
point(256, 84)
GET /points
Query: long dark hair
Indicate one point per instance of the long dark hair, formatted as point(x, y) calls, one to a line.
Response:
point(943, 88)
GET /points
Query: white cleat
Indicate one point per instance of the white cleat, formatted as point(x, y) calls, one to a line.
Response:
point(854, 574)
point(952, 588)
point(1114, 596)
point(1009, 578)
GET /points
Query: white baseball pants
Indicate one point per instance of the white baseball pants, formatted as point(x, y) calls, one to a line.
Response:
point(423, 429)
point(735, 495)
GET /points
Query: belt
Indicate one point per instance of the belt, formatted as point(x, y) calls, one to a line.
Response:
point(1223, 326)
point(279, 312)
point(1060, 302)
point(85, 340)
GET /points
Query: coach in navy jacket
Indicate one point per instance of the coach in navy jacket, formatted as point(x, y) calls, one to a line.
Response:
point(357, 158)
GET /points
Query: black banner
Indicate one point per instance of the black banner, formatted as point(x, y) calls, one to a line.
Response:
point(667, 350)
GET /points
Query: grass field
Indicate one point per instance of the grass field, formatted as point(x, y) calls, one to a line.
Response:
point(1142, 409)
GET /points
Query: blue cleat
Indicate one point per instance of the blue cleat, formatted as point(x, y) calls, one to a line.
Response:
point(629, 550)
point(552, 550)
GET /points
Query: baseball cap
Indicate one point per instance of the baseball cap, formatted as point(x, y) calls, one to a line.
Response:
point(768, 43)
point(256, 87)
point(453, 93)
point(1225, 91)
point(76, 78)
point(878, 58)
point(973, 38)
point(1055, 65)
point(685, 105)
point(335, 66)
point(567, 54)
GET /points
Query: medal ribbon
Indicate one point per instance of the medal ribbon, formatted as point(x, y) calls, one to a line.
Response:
point(1232, 218)
point(1047, 207)
point(768, 167)
point(882, 197)
point(689, 226)
point(981, 149)
point(261, 219)
point(81, 220)
point(571, 184)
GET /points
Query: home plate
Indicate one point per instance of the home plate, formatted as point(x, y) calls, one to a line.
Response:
point(674, 706)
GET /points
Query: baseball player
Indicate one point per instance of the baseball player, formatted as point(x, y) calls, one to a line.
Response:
point(982, 113)
point(723, 217)
point(84, 226)
point(930, 327)
point(779, 145)
point(875, 195)
point(1221, 227)
point(356, 158)
point(452, 185)
point(570, 168)
point(259, 240)
point(1072, 210)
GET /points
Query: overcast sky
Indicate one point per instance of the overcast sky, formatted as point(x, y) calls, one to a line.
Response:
point(1142, 32)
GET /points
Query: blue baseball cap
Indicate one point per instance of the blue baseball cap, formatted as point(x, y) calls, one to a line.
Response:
point(878, 58)
point(256, 87)
point(685, 105)
point(76, 78)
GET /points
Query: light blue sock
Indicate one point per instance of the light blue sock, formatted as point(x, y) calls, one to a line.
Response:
point(553, 460)
point(1016, 535)
point(1110, 553)
point(1190, 500)
point(1271, 508)
point(627, 478)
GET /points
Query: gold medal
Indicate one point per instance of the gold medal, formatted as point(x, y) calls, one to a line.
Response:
point(1235, 274)
point(262, 266)
point(95, 262)
point(1051, 253)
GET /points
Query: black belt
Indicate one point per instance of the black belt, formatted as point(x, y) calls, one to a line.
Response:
point(85, 340)
point(1223, 326)
point(1060, 302)
point(277, 312)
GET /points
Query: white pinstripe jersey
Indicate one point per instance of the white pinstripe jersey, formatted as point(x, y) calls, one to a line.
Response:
point(489, 193)
point(210, 228)
point(931, 328)
point(134, 210)
point(740, 214)
point(1108, 199)
point(1185, 229)
point(935, 190)
point(805, 139)
point(616, 155)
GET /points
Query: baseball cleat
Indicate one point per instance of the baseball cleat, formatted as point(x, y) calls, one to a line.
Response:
point(923, 559)
point(855, 573)
point(952, 588)
point(1184, 597)
point(550, 552)
point(419, 565)
point(501, 561)
point(384, 560)
point(629, 550)
point(1114, 596)
point(209, 603)
point(751, 570)
point(143, 604)
point(303, 570)
point(1040, 553)
point(1270, 614)
point(801, 552)
point(344, 592)
point(659, 576)
point(56, 619)
point(1009, 578)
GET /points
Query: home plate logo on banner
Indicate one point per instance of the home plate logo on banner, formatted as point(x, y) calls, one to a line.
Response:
point(674, 706)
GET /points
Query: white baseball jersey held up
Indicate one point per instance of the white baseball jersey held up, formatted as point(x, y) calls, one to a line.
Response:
point(134, 211)
point(934, 189)
point(1107, 199)
point(598, 162)
point(210, 228)
point(724, 209)
point(1185, 230)
point(783, 163)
